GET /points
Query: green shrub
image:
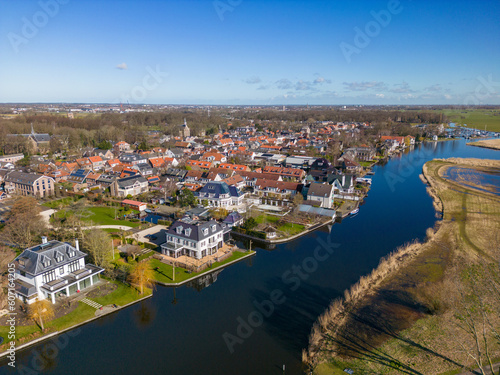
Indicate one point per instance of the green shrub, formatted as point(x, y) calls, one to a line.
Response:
point(164, 222)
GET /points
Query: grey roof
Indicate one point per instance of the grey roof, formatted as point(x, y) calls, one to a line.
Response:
point(41, 137)
point(232, 218)
point(217, 188)
point(46, 257)
point(130, 181)
point(196, 230)
point(24, 288)
point(129, 158)
point(22, 177)
point(320, 190)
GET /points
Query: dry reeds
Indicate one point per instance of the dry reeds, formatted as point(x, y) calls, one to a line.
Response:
point(334, 317)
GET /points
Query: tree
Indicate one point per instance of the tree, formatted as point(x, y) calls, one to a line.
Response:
point(41, 311)
point(105, 145)
point(97, 244)
point(187, 198)
point(298, 199)
point(250, 223)
point(142, 275)
point(24, 223)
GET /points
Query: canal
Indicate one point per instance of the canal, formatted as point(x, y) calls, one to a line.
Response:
point(227, 324)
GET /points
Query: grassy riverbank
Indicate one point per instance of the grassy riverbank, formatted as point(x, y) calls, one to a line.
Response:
point(489, 143)
point(425, 307)
point(164, 272)
point(79, 312)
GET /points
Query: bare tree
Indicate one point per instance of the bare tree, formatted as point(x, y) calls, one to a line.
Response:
point(98, 245)
point(41, 311)
point(24, 224)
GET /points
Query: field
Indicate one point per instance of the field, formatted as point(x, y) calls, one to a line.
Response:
point(490, 143)
point(475, 118)
point(428, 308)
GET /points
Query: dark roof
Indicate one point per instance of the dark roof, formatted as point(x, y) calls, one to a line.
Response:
point(41, 137)
point(320, 190)
point(22, 177)
point(128, 158)
point(217, 188)
point(232, 218)
point(194, 232)
point(42, 258)
point(129, 181)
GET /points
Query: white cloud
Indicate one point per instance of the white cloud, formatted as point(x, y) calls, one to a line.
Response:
point(402, 88)
point(122, 66)
point(363, 86)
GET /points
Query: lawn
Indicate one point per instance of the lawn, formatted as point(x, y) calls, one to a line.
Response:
point(104, 216)
point(121, 296)
point(55, 204)
point(164, 272)
point(291, 228)
point(264, 218)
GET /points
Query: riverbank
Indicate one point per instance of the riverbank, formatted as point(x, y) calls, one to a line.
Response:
point(401, 317)
point(164, 272)
point(26, 336)
point(490, 143)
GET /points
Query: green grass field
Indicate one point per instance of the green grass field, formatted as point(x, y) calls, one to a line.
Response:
point(291, 228)
point(121, 296)
point(475, 118)
point(164, 272)
point(104, 216)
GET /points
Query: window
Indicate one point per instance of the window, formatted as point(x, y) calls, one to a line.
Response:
point(49, 276)
point(214, 228)
point(73, 266)
point(61, 270)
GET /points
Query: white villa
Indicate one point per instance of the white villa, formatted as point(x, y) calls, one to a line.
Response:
point(195, 240)
point(52, 269)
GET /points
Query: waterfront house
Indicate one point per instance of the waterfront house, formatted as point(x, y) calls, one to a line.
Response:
point(321, 193)
point(52, 269)
point(192, 239)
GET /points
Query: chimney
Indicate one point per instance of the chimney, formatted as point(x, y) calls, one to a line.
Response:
point(76, 244)
point(44, 239)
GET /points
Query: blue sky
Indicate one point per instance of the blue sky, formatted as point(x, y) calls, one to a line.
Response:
point(250, 51)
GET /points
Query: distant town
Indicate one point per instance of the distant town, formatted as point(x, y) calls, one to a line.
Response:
point(120, 197)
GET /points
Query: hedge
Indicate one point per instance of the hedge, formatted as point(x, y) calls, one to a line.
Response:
point(149, 254)
point(164, 222)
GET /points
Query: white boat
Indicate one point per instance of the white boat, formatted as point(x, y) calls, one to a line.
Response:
point(355, 211)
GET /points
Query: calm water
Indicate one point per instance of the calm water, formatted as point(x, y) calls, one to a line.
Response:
point(186, 335)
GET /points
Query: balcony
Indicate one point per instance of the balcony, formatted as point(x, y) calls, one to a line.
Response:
point(55, 284)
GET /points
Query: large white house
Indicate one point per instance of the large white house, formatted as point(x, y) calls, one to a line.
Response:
point(195, 240)
point(220, 194)
point(52, 269)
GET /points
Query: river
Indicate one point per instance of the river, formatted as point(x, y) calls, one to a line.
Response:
point(199, 329)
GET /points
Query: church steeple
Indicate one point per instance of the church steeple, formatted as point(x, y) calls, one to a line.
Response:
point(32, 130)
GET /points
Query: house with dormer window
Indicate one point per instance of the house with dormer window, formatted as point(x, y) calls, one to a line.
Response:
point(195, 240)
point(52, 269)
point(220, 194)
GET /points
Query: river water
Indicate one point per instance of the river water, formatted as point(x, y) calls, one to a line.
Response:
point(227, 324)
